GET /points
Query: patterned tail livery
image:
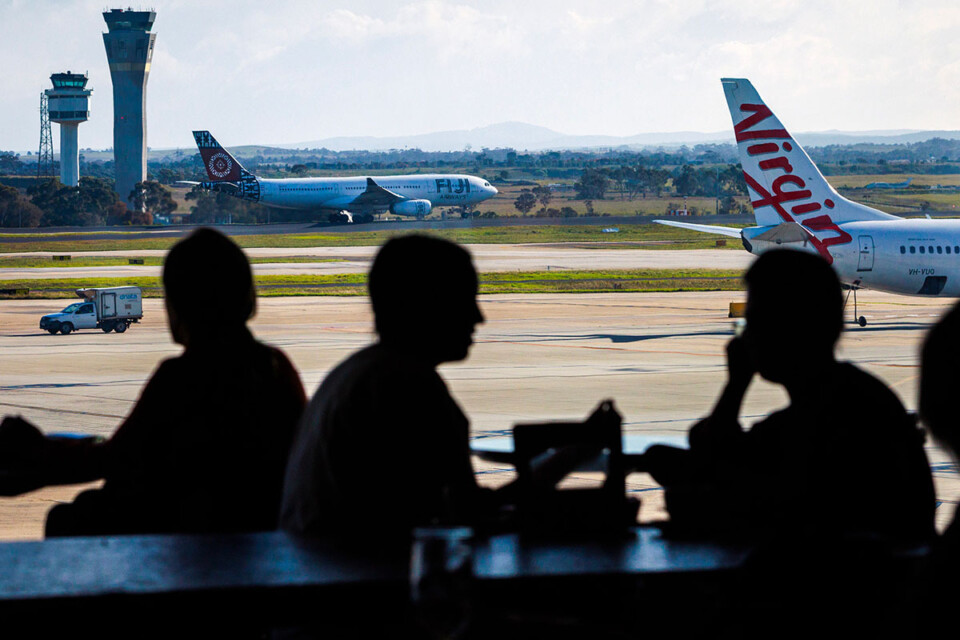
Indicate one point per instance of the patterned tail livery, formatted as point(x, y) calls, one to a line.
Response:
point(785, 185)
point(220, 165)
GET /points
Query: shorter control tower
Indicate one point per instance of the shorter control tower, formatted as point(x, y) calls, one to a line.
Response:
point(68, 107)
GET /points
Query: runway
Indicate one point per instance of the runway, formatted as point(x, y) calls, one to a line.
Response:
point(488, 257)
point(538, 357)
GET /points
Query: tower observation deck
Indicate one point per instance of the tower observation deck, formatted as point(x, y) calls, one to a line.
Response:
point(129, 45)
point(68, 106)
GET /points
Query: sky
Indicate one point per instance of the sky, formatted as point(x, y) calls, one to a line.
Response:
point(289, 71)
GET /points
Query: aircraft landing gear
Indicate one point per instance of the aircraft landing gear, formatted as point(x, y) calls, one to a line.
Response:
point(858, 319)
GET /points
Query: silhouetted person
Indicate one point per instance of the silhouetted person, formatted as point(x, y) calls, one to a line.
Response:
point(205, 446)
point(939, 591)
point(827, 488)
point(843, 459)
point(382, 443)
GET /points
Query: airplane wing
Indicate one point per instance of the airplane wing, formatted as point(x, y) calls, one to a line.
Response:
point(705, 228)
point(376, 196)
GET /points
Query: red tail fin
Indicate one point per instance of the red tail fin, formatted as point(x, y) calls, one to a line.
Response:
point(220, 165)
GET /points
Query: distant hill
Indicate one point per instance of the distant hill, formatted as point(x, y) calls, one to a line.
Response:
point(528, 137)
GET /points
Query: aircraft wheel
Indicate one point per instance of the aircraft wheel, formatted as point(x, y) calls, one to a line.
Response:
point(121, 327)
point(66, 328)
point(862, 321)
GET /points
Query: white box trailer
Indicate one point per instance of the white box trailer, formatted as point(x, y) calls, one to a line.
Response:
point(108, 309)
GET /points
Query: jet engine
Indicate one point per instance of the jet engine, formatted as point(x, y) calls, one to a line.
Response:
point(411, 208)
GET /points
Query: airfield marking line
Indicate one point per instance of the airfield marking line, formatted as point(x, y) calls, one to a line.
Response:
point(904, 381)
point(573, 346)
point(71, 411)
point(893, 366)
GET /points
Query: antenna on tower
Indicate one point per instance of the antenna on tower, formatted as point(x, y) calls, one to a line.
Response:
point(45, 166)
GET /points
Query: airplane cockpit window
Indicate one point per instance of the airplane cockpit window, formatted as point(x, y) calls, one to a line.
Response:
point(486, 184)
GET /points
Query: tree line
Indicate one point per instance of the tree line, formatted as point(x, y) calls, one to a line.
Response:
point(93, 202)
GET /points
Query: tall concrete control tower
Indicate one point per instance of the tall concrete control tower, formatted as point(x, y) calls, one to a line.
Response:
point(129, 46)
point(68, 106)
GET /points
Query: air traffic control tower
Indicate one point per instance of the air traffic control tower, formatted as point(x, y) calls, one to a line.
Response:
point(129, 46)
point(68, 106)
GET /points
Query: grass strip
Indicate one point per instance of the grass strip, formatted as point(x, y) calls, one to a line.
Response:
point(659, 237)
point(634, 280)
point(123, 261)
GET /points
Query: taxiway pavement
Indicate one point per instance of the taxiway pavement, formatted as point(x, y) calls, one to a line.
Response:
point(538, 357)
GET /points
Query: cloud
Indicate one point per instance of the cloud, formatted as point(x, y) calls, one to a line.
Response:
point(300, 69)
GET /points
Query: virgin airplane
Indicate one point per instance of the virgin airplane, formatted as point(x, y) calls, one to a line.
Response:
point(795, 207)
point(347, 199)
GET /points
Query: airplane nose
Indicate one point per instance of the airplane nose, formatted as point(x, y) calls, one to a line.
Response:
point(493, 190)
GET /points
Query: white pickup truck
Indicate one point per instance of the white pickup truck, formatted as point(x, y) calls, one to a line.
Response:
point(108, 309)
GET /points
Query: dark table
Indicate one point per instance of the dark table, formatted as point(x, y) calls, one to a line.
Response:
point(641, 551)
point(244, 567)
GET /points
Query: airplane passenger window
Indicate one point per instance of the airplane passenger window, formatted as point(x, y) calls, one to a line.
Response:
point(931, 248)
point(947, 249)
point(913, 249)
point(903, 249)
point(939, 249)
point(923, 249)
point(956, 249)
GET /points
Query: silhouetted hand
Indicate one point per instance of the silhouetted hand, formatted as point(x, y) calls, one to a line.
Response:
point(23, 453)
point(740, 365)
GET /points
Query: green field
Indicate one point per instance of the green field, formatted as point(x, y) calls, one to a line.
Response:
point(632, 280)
point(647, 236)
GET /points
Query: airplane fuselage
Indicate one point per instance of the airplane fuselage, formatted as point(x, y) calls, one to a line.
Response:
point(912, 257)
point(443, 190)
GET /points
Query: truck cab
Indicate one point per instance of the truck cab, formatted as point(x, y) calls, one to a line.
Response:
point(79, 315)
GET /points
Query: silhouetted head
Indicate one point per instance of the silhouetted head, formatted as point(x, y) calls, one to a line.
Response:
point(424, 295)
point(940, 379)
point(208, 287)
point(794, 313)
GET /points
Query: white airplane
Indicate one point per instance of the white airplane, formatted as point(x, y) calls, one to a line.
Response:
point(363, 197)
point(796, 207)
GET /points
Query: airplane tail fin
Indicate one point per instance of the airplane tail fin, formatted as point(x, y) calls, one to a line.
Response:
point(785, 185)
point(220, 165)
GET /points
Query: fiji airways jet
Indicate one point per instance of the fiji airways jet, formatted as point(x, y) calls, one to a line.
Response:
point(346, 198)
point(796, 207)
